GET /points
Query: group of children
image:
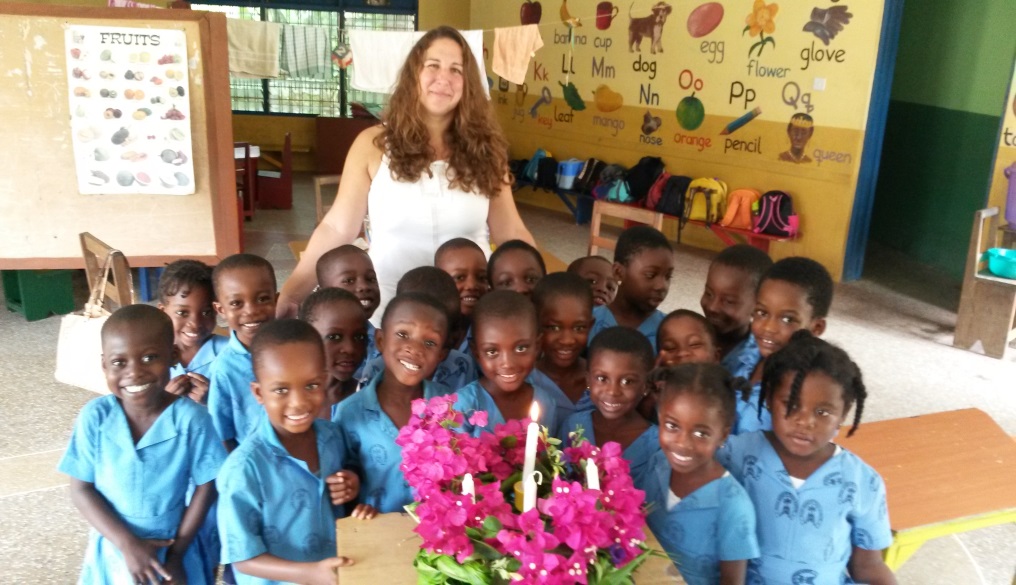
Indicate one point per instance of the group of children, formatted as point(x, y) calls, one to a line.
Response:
point(726, 418)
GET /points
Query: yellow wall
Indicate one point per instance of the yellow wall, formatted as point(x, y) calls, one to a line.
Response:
point(437, 12)
point(621, 86)
point(1006, 154)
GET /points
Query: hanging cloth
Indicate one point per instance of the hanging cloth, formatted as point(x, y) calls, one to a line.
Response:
point(514, 46)
point(306, 52)
point(253, 48)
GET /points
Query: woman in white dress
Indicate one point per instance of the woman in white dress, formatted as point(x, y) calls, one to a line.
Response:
point(436, 169)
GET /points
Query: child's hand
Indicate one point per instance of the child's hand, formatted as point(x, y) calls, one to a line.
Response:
point(323, 572)
point(364, 512)
point(180, 385)
point(143, 561)
point(198, 387)
point(343, 486)
point(174, 565)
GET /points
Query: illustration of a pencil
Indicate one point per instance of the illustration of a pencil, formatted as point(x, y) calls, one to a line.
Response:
point(742, 121)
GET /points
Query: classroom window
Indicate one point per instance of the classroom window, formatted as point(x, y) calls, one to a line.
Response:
point(330, 96)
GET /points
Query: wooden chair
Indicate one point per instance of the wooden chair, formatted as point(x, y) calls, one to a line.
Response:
point(245, 173)
point(620, 211)
point(117, 283)
point(987, 303)
point(275, 188)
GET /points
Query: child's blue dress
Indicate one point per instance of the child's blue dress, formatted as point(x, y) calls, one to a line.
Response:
point(741, 363)
point(201, 363)
point(742, 359)
point(370, 446)
point(372, 353)
point(473, 397)
point(457, 370)
point(565, 407)
point(637, 454)
point(604, 318)
point(714, 523)
point(145, 483)
point(270, 502)
point(235, 412)
point(807, 534)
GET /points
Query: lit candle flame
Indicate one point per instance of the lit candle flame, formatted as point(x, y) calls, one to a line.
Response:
point(534, 411)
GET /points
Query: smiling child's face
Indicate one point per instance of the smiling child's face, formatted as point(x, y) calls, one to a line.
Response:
point(468, 268)
point(412, 342)
point(692, 427)
point(291, 382)
point(617, 382)
point(246, 300)
point(354, 272)
point(506, 351)
point(516, 270)
point(136, 361)
point(685, 340)
point(728, 299)
point(781, 309)
point(600, 274)
point(343, 329)
point(192, 314)
point(565, 322)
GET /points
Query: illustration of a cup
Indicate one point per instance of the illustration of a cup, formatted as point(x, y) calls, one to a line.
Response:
point(605, 13)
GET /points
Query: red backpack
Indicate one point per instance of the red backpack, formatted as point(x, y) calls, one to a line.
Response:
point(656, 191)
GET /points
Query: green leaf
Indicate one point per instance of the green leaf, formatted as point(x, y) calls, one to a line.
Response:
point(485, 551)
point(746, 29)
point(491, 526)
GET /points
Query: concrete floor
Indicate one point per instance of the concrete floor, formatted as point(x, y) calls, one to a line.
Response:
point(897, 324)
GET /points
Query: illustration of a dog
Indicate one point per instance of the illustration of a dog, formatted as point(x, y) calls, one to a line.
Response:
point(648, 26)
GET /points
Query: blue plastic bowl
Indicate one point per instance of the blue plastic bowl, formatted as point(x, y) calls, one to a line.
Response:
point(1002, 262)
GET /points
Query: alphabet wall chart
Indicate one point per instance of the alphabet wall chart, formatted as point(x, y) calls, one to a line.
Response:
point(1003, 178)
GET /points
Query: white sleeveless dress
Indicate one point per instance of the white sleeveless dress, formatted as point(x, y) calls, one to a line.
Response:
point(408, 221)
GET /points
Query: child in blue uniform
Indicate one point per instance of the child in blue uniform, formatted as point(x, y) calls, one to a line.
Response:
point(339, 318)
point(133, 455)
point(516, 265)
point(245, 290)
point(821, 510)
point(700, 514)
point(619, 363)
point(350, 268)
point(599, 273)
point(728, 301)
point(412, 338)
point(684, 337)
point(643, 266)
point(506, 343)
point(283, 488)
point(795, 293)
point(564, 307)
point(186, 295)
point(456, 369)
point(466, 263)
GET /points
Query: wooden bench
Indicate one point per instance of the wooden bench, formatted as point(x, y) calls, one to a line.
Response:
point(945, 473)
point(987, 310)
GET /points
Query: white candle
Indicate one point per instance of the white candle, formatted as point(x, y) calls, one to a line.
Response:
point(532, 439)
point(468, 489)
point(592, 475)
point(529, 492)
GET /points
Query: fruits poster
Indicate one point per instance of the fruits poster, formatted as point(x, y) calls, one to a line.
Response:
point(130, 110)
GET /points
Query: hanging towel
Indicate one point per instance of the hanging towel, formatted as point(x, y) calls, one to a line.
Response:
point(514, 46)
point(306, 52)
point(379, 55)
point(253, 48)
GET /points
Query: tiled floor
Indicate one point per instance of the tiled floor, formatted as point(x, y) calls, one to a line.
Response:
point(897, 325)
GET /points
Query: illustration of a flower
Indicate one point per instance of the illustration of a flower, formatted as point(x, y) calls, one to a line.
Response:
point(760, 22)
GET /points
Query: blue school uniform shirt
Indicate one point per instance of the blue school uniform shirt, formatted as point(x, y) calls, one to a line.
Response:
point(270, 502)
point(145, 483)
point(741, 363)
point(565, 407)
point(473, 397)
point(372, 354)
point(807, 534)
point(638, 453)
point(604, 318)
point(201, 363)
point(370, 446)
point(714, 523)
point(742, 359)
point(235, 412)
point(457, 370)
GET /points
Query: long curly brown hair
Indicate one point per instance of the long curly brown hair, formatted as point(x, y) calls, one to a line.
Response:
point(479, 150)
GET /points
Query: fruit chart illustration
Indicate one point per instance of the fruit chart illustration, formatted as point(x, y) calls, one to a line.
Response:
point(130, 112)
point(770, 85)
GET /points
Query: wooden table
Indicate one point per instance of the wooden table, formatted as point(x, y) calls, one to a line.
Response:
point(945, 473)
point(384, 547)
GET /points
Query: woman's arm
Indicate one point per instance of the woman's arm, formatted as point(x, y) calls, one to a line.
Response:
point(504, 221)
point(867, 566)
point(340, 225)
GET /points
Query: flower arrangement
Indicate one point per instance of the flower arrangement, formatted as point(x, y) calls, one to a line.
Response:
point(473, 534)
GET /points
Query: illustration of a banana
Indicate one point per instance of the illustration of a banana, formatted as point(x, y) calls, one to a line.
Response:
point(566, 16)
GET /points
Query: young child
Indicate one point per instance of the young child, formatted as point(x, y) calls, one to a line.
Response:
point(414, 329)
point(643, 266)
point(619, 363)
point(685, 337)
point(349, 267)
point(564, 307)
point(599, 272)
point(466, 263)
point(284, 486)
point(339, 318)
point(728, 301)
point(517, 266)
point(132, 456)
point(506, 344)
point(795, 293)
point(703, 518)
point(821, 509)
point(186, 295)
point(456, 369)
point(246, 293)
